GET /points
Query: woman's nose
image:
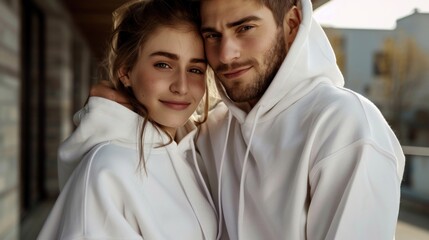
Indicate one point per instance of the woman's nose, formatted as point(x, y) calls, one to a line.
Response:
point(180, 84)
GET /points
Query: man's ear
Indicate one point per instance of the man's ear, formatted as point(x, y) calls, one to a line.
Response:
point(124, 77)
point(291, 23)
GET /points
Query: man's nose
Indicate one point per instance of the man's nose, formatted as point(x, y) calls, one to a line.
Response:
point(229, 51)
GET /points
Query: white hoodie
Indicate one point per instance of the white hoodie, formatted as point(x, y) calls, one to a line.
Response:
point(311, 160)
point(105, 195)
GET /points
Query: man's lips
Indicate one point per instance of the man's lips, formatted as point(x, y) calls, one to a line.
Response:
point(236, 72)
point(176, 105)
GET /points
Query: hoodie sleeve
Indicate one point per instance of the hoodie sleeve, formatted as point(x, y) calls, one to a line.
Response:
point(99, 121)
point(355, 183)
point(95, 202)
point(359, 200)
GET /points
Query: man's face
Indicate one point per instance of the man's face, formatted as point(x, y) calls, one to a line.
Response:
point(244, 46)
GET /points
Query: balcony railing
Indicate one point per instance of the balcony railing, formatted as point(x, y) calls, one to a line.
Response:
point(416, 151)
point(416, 175)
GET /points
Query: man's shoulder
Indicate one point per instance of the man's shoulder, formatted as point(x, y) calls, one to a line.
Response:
point(342, 100)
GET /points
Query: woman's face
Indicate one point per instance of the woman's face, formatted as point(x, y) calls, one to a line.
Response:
point(169, 76)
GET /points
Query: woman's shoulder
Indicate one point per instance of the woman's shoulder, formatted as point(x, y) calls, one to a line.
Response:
point(110, 158)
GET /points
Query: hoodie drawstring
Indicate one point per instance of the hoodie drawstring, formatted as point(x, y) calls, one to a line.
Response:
point(206, 190)
point(219, 184)
point(243, 175)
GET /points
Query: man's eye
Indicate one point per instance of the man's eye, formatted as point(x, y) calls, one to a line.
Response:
point(212, 35)
point(245, 28)
point(162, 65)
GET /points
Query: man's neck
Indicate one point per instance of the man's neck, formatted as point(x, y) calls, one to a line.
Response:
point(247, 106)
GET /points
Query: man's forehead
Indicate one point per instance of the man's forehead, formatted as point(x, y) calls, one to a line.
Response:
point(227, 10)
point(220, 2)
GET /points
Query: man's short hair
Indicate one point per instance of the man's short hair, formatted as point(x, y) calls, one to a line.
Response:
point(279, 8)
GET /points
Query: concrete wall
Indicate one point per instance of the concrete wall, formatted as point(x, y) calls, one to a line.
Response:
point(68, 67)
point(68, 78)
point(58, 94)
point(9, 119)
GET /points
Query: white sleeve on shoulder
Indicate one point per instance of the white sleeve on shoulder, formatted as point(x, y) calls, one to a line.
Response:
point(92, 205)
point(355, 194)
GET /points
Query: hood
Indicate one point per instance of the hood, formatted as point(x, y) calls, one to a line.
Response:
point(103, 120)
point(99, 121)
point(310, 61)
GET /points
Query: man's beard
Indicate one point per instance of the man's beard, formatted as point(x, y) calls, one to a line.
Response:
point(253, 91)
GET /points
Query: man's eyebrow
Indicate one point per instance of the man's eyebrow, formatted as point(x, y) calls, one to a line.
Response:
point(243, 20)
point(232, 24)
point(176, 57)
point(208, 29)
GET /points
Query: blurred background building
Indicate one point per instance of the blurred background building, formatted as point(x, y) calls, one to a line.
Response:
point(49, 55)
point(50, 52)
point(391, 67)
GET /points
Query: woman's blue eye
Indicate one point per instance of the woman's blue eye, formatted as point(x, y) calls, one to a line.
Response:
point(197, 71)
point(162, 65)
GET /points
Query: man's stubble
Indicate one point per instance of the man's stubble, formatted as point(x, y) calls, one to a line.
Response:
point(255, 89)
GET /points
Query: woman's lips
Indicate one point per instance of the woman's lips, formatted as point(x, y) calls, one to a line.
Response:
point(176, 105)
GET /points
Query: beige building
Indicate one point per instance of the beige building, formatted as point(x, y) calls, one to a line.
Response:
point(391, 67)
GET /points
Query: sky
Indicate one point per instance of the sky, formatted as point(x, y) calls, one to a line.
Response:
point(367, 14)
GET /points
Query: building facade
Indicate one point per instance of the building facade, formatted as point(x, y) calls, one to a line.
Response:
point(10, 71)
point(46, 69)
point(391, 68)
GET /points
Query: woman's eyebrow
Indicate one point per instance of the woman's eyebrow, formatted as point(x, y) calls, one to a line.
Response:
point(176, 57)
point(198, 60)
point(165, 54)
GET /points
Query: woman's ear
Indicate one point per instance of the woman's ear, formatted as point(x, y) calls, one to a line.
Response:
point(291, 23)
point(124, 77)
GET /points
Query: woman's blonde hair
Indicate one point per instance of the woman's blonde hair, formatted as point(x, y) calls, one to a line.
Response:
point(133, 24)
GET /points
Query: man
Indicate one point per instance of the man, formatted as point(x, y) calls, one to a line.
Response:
point(291, 154)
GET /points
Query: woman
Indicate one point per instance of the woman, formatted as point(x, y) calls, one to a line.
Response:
point(122, 174)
